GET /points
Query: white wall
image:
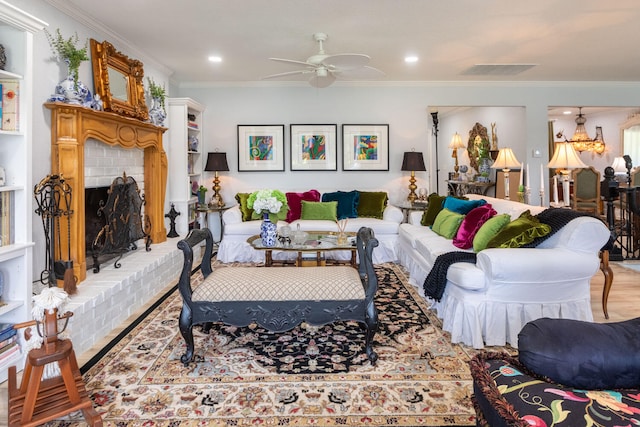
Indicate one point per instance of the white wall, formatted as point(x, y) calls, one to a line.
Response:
point(520, 111)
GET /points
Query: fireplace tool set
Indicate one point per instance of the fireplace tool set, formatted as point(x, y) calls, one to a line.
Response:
point(53, 197)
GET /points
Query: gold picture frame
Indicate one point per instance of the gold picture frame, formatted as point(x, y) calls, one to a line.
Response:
point(118, 80)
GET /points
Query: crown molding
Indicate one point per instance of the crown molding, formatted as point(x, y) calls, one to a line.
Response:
point(114, 38)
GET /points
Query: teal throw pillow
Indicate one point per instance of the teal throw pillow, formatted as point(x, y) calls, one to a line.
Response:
point(319, 210)
point(462, 206)
point(347, 202)
point(447, 223)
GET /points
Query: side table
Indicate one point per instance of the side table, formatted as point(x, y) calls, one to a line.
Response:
point(407, 208)
point(204, 211)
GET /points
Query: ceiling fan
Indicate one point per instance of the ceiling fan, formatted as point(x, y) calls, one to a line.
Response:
point(324, 69)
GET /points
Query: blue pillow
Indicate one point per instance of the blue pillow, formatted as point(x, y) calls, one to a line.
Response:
point(461, 206)
point(347, 202)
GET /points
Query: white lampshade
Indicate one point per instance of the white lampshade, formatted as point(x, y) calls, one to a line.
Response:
point(565, 157)
point(506, 160)
point(619, 165)
point(456, 142)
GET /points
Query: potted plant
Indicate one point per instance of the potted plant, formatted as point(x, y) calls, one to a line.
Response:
point(68, 51)
point(158, 94)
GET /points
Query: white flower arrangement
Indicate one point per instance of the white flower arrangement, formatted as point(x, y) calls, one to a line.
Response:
point(273, 202)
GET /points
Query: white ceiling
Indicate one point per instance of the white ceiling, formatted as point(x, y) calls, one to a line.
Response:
point(569, 40)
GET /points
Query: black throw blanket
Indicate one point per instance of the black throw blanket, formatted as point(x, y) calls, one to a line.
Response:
point(436, 280)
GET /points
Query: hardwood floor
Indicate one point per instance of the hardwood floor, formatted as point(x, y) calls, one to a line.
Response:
point(624, 304)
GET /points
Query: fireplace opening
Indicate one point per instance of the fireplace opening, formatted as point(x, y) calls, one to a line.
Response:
point(94, 199)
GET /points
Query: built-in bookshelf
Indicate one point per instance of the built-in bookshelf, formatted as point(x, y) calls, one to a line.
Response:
point(185, 159)
point(17, 29)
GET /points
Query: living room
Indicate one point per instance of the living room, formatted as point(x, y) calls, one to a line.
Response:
point(519, 106)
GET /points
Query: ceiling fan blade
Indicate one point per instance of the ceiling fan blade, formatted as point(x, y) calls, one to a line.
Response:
point(346, 61)
point(288, 73)
point(322, 81)
point(362, 73)
point(293, 61)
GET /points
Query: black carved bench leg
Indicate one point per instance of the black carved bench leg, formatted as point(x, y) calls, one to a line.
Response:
point(186, 329)
point(371, 320)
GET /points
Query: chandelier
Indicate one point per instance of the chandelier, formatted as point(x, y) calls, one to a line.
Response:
point(581, 140)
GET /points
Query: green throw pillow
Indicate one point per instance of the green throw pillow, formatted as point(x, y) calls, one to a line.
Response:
point(319, 210)
point(434, 207)
point(519, 232)
point(241, 198)
point(372, 204)
point(488, 230)
point(447, 223)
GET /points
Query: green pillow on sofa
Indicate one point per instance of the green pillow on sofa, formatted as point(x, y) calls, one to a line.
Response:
point(319, 210)
point(433, 209)
point(519, 232)
point(488, 230)
point(372, 204)
point(246, 211)
point(447, 223)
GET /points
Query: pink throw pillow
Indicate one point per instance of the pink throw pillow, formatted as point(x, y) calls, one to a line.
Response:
point(294, 200)
point(471, 224)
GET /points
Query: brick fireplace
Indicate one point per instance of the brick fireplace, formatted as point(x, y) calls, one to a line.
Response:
point(71, 126)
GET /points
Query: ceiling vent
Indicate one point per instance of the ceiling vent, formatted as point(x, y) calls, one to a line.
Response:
point(497, 69)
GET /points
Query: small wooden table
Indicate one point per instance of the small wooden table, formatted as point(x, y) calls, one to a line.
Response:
point(317, 242)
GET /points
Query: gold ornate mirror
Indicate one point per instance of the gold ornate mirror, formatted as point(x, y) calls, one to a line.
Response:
point(118, 80)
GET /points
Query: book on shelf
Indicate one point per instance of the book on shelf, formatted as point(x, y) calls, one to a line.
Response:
point(8, 334)
point(4, 327)
point(192, 125)
point(10, 99)
point(9, 353)
point(8, 341)
point(7, 233)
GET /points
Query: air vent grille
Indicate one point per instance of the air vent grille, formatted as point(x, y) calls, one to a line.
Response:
point(497, 69)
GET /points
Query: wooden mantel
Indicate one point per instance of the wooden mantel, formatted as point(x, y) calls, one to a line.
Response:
point(71, 126)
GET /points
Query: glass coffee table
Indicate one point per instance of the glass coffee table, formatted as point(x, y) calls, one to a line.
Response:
point(316, 244)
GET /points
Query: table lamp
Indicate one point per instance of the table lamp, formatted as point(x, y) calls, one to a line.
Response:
point(506, 160)
point(565, 158)
point(413, 161)
point(456, 143)
point(217, 162)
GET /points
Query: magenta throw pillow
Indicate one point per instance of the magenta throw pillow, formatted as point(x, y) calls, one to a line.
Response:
point(294, 200)
point(471, 224)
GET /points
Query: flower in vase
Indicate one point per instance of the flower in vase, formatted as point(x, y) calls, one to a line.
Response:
point(272, 202)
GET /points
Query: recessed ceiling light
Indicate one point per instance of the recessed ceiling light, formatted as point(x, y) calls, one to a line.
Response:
point(566, 112)
point(215, 59)
point(411, 59)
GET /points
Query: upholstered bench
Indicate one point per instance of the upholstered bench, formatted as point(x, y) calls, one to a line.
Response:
point(278, 298)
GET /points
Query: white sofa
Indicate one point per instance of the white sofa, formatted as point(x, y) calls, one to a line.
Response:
point(488, 303)
point(234, 246)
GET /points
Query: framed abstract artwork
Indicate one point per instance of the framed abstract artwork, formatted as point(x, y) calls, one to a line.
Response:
point(313, 147)
point(365, 147)
point(260, 148)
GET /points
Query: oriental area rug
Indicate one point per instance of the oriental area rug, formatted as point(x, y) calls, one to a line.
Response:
point(309, 376)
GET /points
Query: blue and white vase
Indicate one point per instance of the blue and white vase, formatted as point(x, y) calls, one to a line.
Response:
point(484, 169)
point(157, 113)
point(268, 232)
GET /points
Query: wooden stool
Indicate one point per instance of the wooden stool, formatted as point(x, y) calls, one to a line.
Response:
point(38, 401)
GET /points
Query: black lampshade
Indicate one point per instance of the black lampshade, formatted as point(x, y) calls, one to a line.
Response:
point(413, 161)
point(216, 162)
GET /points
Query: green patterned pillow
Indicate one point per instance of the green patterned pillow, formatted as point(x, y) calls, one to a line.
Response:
point(241, 198)
point(519, 232)
point(488, 230)
point(372, 204)
point(319, 210)
point(447, 223)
